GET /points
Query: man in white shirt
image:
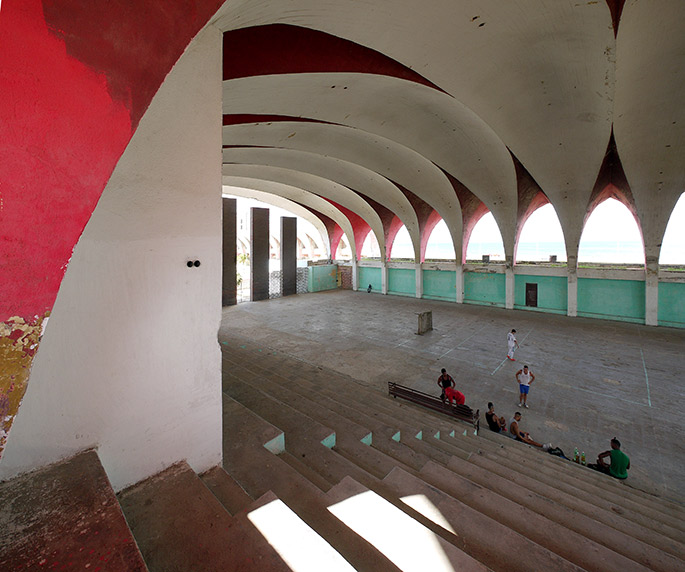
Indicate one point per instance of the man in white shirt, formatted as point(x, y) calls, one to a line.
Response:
point(524, 377)
point(512, 343)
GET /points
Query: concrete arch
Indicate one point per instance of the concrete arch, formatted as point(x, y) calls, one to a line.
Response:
point(391, 160)
point(431, 122)
point(503, 48)
point(315, 185)
point(297, 195)
point(291, 206)
point(351, 175)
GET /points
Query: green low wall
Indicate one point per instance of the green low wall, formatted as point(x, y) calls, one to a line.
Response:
point(369, 275)
point(440, 285)
point(484, 288)
point(552, 293)
point(323, 277)
point(671, 304)
point(622, 300)
point(402, 281)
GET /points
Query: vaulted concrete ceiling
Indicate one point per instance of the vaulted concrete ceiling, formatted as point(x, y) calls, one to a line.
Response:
point(454, 108)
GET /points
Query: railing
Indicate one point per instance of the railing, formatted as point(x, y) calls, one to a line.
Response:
point(462, 412)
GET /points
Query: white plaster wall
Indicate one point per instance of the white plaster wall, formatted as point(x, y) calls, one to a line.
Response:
point(130, 362)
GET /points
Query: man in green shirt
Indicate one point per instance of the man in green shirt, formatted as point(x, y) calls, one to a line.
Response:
point(620, 463)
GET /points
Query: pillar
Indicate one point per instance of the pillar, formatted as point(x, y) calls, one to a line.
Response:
point(228, 283)
point(652, 291)
point(572, 284)
point(259, 254)
point(289, 255)
point(355, 275)
point(460, 283)
point(384, 277)
point(509, 283)
point(419, 280)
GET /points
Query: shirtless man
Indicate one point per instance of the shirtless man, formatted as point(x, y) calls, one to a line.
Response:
point(519, 435)
point(524, 377)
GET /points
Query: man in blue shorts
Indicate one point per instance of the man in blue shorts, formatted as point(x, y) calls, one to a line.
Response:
point(524, 377)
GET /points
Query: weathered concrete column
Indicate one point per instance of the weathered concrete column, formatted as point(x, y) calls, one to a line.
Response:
point(572, 285)
point(460, 283)
point(652, 291)
point(355, 275)
point(384, 277)
point(259, 254)
point(289, 255)
point(228, 284)
point(509, 283)
point(419, 280)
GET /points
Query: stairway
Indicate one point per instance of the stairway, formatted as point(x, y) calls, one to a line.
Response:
point(322, 472)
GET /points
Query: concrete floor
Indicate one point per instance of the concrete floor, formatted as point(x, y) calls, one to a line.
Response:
point(594, 379)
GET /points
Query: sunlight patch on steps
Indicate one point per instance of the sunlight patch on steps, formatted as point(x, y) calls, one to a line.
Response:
point(405, 542)
point(422, 505)
point(296, 543)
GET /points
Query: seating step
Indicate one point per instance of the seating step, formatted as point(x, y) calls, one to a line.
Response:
point(258, 471)
point(226, 490)
point(180, 526)
point(405, 541)
point(65, 515)
point(547, 468)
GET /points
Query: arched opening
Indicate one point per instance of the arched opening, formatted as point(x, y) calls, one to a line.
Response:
point(440, 245)
point(343, 252)
point(611, 235)
point(673, 244)
point(402, 247)
point(485, 241)
point(541, 238)
point(371, 248)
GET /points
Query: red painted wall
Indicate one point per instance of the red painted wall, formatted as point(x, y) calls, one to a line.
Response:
point(75, 79)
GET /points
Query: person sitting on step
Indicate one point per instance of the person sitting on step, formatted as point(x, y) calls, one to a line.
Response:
point(619, 461)
point(496, 424)
point(458, 396)
point(516, 433)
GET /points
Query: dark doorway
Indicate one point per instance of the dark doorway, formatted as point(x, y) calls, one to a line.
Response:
point(532, 295)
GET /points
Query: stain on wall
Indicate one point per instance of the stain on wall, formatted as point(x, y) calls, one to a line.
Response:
point(18, 345)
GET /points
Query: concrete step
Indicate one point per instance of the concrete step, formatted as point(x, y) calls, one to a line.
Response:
point(307, 472)
point(352, 433)
point(673, 512)
point(65, 516)
point(549, 503)
point(226, 490)
point(258, 470)
point(180, 526)
point(297, 544)
point(546, 469)
point(537, 527)
point(406, 542)
point(493, 540)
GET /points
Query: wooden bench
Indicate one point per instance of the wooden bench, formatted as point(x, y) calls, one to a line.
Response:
point(461, 412)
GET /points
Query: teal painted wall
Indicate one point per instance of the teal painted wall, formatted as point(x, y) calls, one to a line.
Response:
point(552, 293)
point(484, 288)
point(369, 275)
point(402, 281)
point(323, 277)
point(440, 285)
point(622, 300)
point(671, 304)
